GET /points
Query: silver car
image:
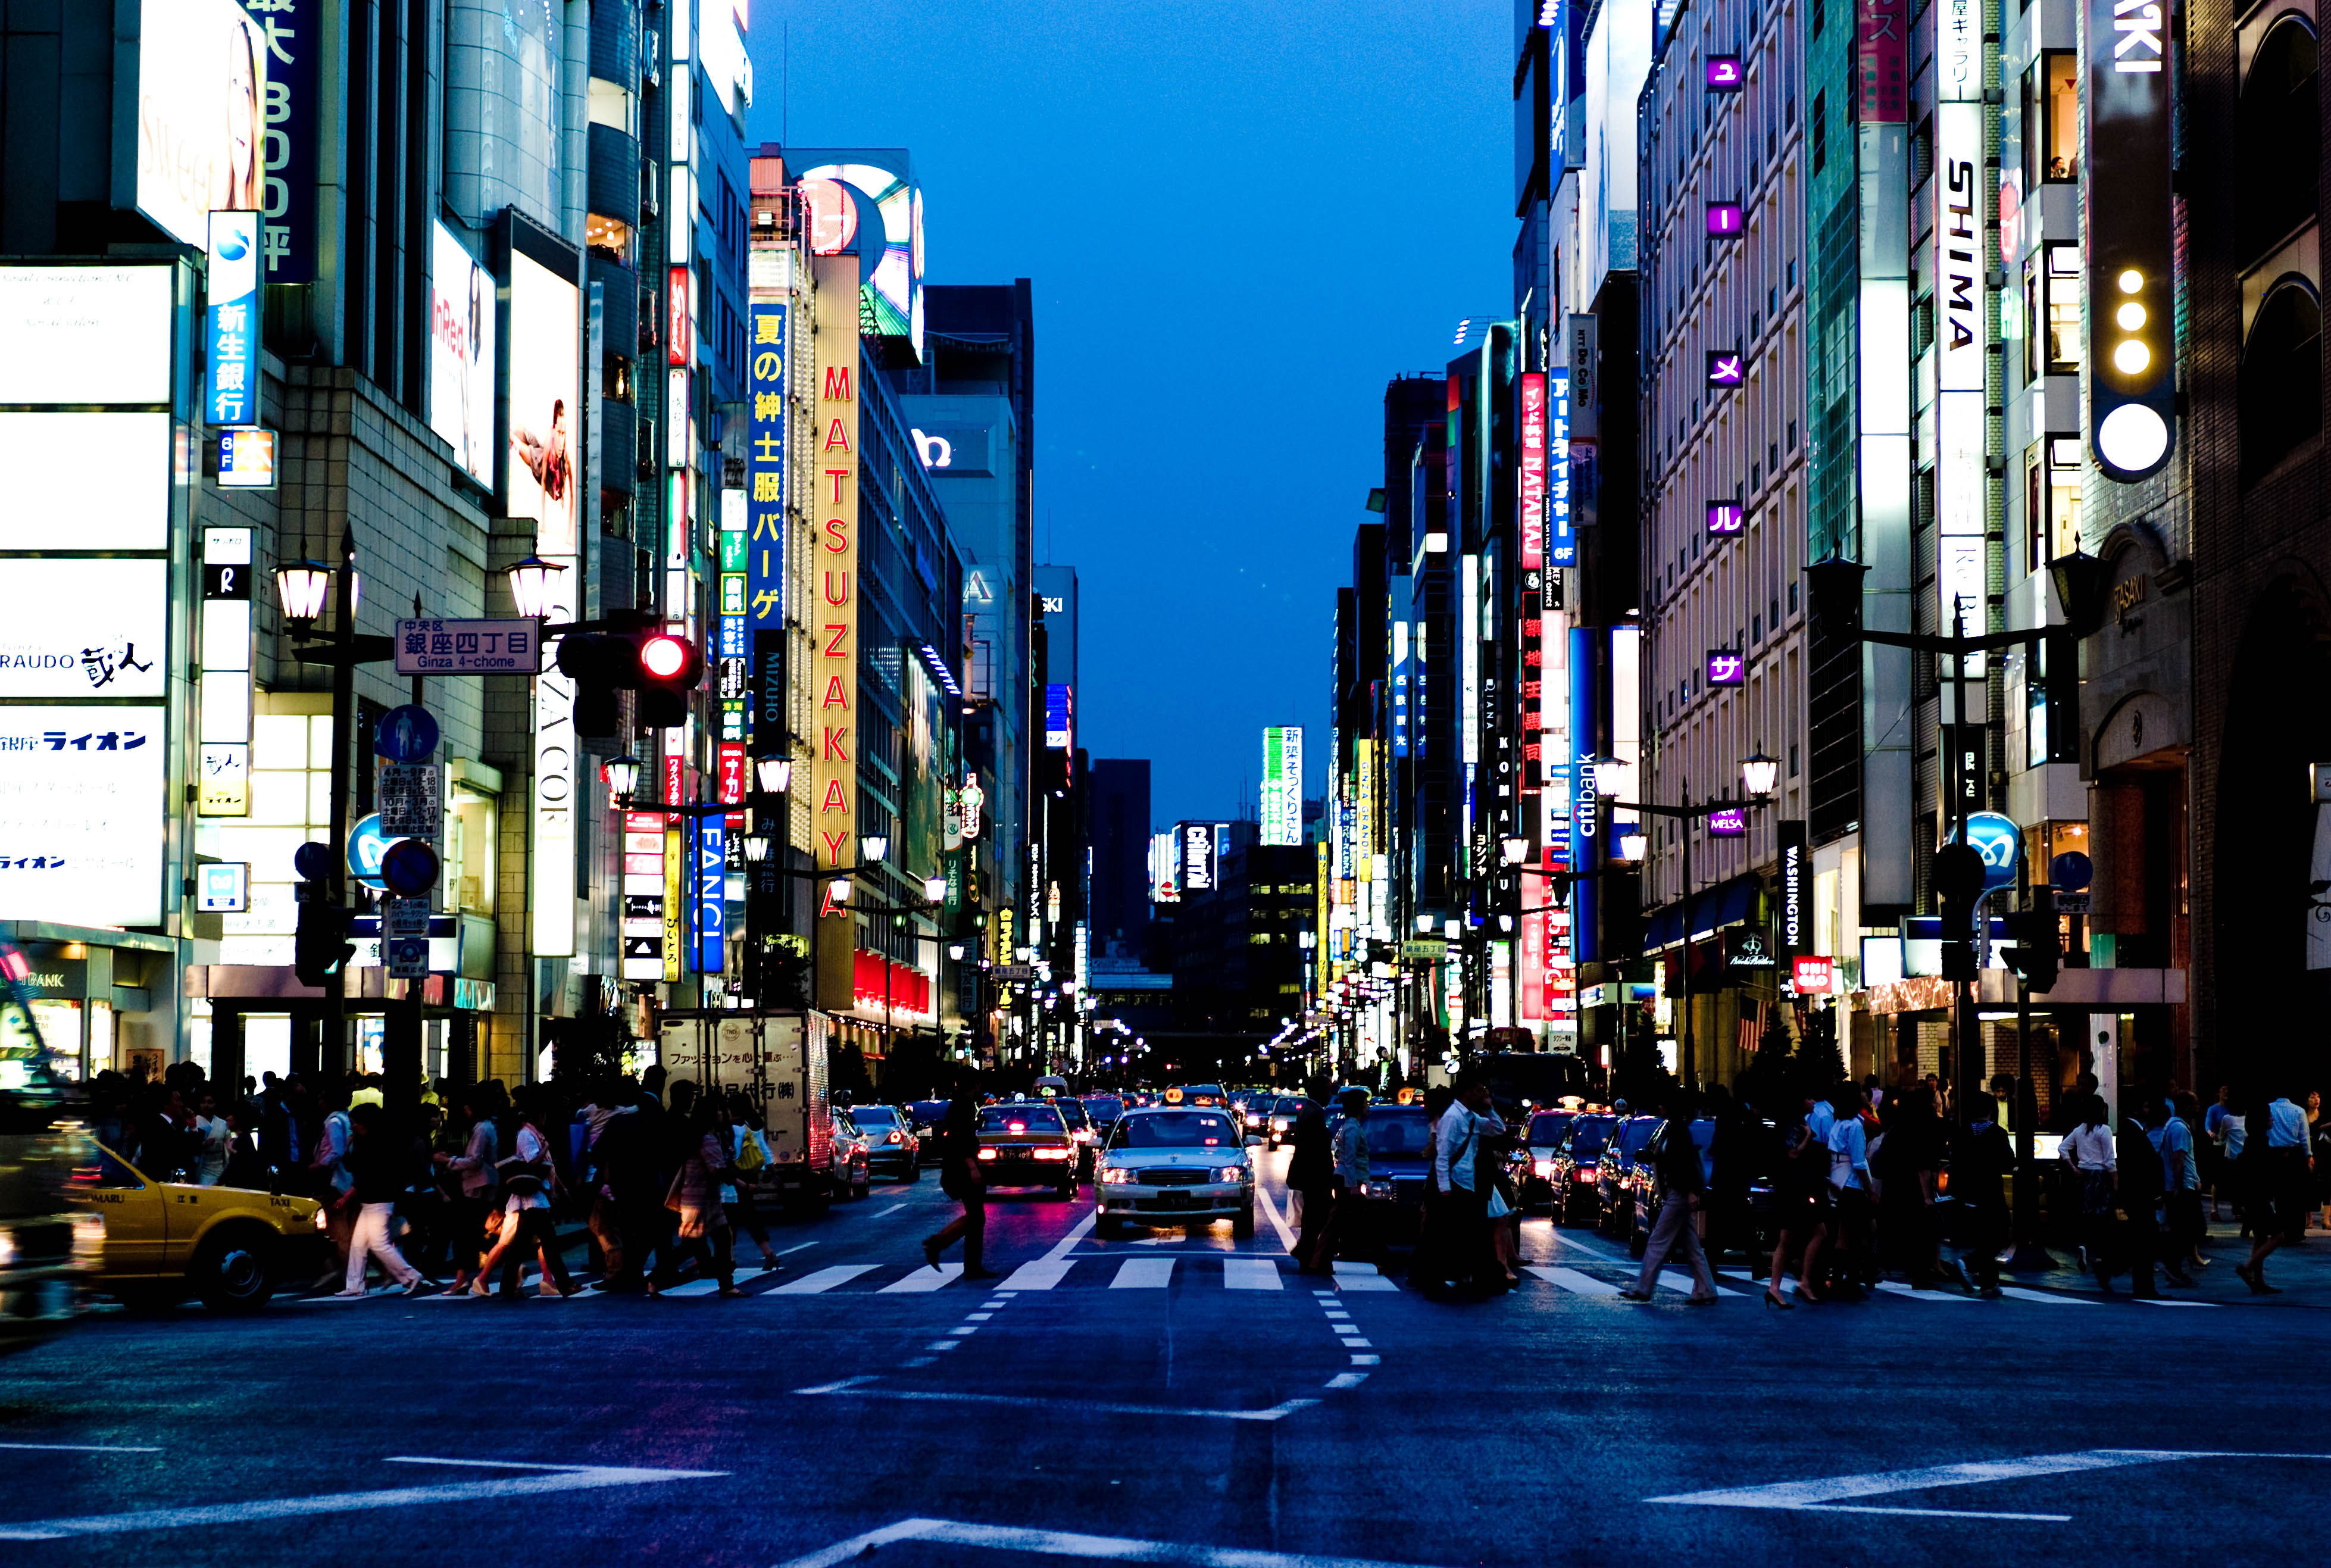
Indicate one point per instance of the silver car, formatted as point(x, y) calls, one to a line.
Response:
point(1175, 1165)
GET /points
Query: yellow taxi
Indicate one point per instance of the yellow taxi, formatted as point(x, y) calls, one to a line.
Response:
point(1025, 1143)
point(168, 1240)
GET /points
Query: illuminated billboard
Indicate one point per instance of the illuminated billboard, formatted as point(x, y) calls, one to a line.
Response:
point(1282, 784)
point(1197, 863)
point(202, 77)
point(543, 381)
point(85, 335)
point(886, 200)
point(461, 354)
point(81, 802)
point(1164, 867)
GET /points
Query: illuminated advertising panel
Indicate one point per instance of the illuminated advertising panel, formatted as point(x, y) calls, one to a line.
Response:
point(1563, 542)
point(833, 771)
point(886, 198)
point(1165, 868)
point(1197, 863)
point(1531, 495)
point(109, 471)
point(461, 354)
point(202, 77)
point(679, 325)
point(1282, 784)
point(1059, 717)
point(85, 335)
point(543, 379)
point(81, 628)
point(554, 804)
point(230, 372)
point(2132, 363)
point(81, 815)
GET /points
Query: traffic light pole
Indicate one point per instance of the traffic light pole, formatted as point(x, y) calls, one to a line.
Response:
point(333, 1028)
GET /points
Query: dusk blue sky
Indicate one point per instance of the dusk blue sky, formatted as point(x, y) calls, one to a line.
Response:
point(1240, 218)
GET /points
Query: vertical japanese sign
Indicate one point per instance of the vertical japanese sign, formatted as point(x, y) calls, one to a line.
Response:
point(1564, 541)
point(231, 374)
point(2132, 361)
point(1881, 62)
point(642, 927)
point(1796, 888)
point(224, 783)
point(291, 32)
point(834, 773)
point(1530, 526)
point(1961, 323)
point(765, 511)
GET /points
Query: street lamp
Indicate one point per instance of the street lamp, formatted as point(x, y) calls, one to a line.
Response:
point(532, 583)
point(301, 587)
point(875, 846)
point(757, 843)
point(776, 774)
point(955, 951)
point(1632, 846)
point(624, 777)
point(1759, 775)
point(1517, 849)
point(933, 888)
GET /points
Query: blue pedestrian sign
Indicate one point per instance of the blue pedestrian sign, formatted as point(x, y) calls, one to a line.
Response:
point(406, 734)
point(2000, 842)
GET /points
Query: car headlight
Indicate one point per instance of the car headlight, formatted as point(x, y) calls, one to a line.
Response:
point(1542, 1169)
point(8, 1249)
point(88, 1237)
point(323, 1223)
point(1116, 1176)
point(1230, 1174)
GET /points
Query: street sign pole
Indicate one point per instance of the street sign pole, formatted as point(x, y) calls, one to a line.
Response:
point(333, 1043)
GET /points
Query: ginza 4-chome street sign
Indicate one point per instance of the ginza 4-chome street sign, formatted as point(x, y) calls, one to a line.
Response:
point(439, 647)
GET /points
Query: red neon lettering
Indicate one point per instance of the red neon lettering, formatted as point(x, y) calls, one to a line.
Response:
point(837, 745)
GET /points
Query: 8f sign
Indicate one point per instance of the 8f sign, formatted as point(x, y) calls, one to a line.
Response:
point(2132, 349)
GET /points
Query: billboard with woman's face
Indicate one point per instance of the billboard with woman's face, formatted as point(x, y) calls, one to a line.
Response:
point(544, 410)
point(461, 354)
point(201, 76)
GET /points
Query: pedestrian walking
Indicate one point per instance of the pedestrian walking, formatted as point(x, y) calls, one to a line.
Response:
point(2280, 1193)
point(214, 1138)
point(1460, 1235)
point(472, 1172)
point(959, 1178)
point(702, 1229)
point(2181, 1185)
point(749, 1154)
point(1310, 1176)
point(2087, 1149)
point(1979, 1165)
point(1676, 1230)
point(1802, 1205)
point(529, 1177)
point(2216, 1162)
point(2137, 1186)
point(1850, 1271)
point(331, 1181)
point(376, 1173)
point(1348, 1210)
point(245, 1165)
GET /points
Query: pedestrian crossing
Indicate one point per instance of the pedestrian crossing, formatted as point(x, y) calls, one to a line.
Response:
point(1589, 1275)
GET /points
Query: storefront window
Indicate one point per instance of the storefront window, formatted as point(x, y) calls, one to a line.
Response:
point(59, 1023)
point(2063, 285)
point(2061, 128)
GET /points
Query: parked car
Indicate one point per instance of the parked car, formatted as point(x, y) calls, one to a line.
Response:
point(1575, 1170)
point(851, 1176)
point(892, 1150)
point(1025, 1143)
point(1175, 1166)
point(1530, 1165)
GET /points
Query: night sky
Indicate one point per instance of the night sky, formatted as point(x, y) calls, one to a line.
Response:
point(1240, 219)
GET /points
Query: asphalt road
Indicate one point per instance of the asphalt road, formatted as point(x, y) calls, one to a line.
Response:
point(1174, 1399)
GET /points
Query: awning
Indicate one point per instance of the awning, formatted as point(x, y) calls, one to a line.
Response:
point(1712, 909)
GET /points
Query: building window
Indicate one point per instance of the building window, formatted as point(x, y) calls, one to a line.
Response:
point(2060, 124)
point(2279, 391)
point(1818, 132)
point(2053, 500)
point(2279, 137)
point(2063, 307)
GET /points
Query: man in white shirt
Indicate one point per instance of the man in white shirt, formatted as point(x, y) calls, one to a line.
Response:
point(1849, 1181)
point(1463, 1250)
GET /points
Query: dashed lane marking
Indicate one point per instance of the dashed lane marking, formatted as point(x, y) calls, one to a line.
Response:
point(1062, 1543)
point(1277, 1412)
point(1833, 1495)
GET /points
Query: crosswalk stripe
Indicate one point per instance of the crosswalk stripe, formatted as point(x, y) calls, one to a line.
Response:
point(1041, 1275)
point(2021, 1294)
point(1677, 1279)
point(1251, 1274)
point(1894, 1287)
point(923, 1279)
point(1357, 1276)
point(1571, 1279)
point(1144, 1274)
point(824, 1280)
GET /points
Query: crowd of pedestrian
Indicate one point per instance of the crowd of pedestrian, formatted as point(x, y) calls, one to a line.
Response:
point(471, 1185)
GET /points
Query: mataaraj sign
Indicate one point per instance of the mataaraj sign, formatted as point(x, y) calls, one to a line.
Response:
point(2132, 367)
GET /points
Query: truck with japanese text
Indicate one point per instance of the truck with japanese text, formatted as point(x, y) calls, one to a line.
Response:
point(777, 1059)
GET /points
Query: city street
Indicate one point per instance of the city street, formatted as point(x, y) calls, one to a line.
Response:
point(1170, 1399)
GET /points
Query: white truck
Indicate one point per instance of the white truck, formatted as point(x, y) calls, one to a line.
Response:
point(777, 1059)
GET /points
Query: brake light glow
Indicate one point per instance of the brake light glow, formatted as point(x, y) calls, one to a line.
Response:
point(894, 1138)
point(1082, 1135)
point(987, 1154)
point(1018, 1126)
point(1542, 1168)
point(1052, 1153)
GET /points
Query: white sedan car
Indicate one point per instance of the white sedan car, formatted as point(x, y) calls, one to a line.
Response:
point(1175, 1165)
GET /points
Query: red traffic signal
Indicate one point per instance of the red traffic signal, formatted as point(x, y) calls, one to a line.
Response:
point(661, 666)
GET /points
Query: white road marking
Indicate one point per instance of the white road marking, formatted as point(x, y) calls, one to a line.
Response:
point(881, 1213)
point(964, 1333)
point(1061, 1543)
point(1143, 1274)
point(1367, 1360)
point(943, 1344)
point(978, 1317)
point(1371, 1281)
point(707, 1286)
point(1895, 1288)
point(1357, 1344)
point(923, 1279)
point(1352, 1266)
point(824, 1280)
point(1567, 1239)
point(1347, 1380)
point(1067, 1243)
point(837, 1387)
point(542, 1479)
point(2021, 1294)
point(79, 1448)
point(1830, 1495)
point(1278, 1220)
point(789, 1251)
point(2169, 1301)
point(1251, 1274)
point(1571, 1279)
point(1677, 1279)
point(1277, 1412)
point(1041, 1275)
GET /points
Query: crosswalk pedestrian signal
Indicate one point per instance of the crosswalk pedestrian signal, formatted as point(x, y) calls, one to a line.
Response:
point(1958, 884)
point(2038, 953)
point(320, 949)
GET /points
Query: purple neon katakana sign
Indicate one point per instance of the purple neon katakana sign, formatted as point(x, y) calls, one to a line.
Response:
point(1725, 73)
point(1730, 822)
point(1726, 668)
point(1723, 219)
point(1725, 517)
point(1726, 367)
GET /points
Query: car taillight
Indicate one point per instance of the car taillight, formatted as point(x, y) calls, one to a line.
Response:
point(1082, 1136)
point(1584, 1175)
point(987, 1154)
point(1052, 1153)
point(897, 1139)
point(1542, 1168)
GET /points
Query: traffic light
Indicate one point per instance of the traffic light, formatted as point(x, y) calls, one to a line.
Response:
point(1958, 884)
point(319, 946)
point(662, 666)
point(2038, 952)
